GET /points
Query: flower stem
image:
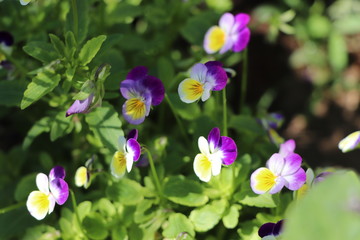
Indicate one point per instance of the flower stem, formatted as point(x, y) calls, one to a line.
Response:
point(73, 200)
point(75, 18)
point(244, 80)
point(154, 173)
point(225, 130)
point(11, 207)
point(182, 129)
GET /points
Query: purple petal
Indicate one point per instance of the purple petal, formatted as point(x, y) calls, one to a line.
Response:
point(198, 72)
point(279, 184)
point(129, 88)
point(133, 147)
point(137, 73)
point(132, 134)
point(278, 228)
point(156, 88)
point(266, 229)
point(57, 172)
point(321, 177)
point(6, 38)
point(60, 190)
point(276, 164)
point(229, 150)
point(292, 164)
point(226, 22)
point(296, 180)
point(80, 106)
point(217, 73)
point(241, 20)
point(287, 147)
point(213, 63)
point(241, 40)
point(229, 43)
point(213, 139)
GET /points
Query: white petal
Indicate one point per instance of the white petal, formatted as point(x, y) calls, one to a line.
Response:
point(129, 161)
point(216, 166)
point(42, 182)
point(38, 204)
point(198, 72)
point(204, 146)
point(51, 203)
point(122, 143)
point(207, 93)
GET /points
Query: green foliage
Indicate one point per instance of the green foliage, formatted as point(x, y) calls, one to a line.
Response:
point(90, 49)
point(126, 191)
point(179, 225)
point(94, 226)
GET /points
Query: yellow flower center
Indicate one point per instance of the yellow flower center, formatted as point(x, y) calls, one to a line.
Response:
point(136, 108)
point(119, 164)
point(217, 39)
point(266, 180)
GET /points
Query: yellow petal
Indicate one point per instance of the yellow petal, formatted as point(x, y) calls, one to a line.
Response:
point(264, 180)
point(202, 167)
point(38, 204)
point(118, 164)
point(81, 177)
point(215, 39)
point(190, 90)
point(135, 108)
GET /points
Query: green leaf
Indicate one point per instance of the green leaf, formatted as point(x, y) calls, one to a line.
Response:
point(94, 226)
point(60, 126)
point(348, 24)
point(106, 208)
point(184, 191)
point(144, 211)
point(84, 208)
point(58, 45)
point(247, 124)
point(249, 230)
point(205, 218)
point(126, 191)
point(166, 71)
point(41, 51)
point(106, 125)
point(71, 45)
point(338, 56)
point(25, 186)
point(86, 89)
point(119, 233)
point(249, 198)
point(178, 225)
point(11, 93)
point(79, 25)
point(41, 232)
point(220, 6)
point(90, 49)
point(231, 216)
point(330, 210)
point(41, 84)
point(42, 125)
point(186, 111)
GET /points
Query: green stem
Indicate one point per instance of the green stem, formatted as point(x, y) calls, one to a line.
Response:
point(244, 80)
point(225, 130)
point(11, 207)
point(73, 199)
point(75, 18)
point(154, 173)
point(182, 129)
point(14, 61)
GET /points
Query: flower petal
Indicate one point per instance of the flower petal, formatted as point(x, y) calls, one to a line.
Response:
point(203, 146)
point(214, 40)
point(228, 149)
point(51, 203)
point(190, 90)
point(207, 92)
point(241, 20)
point(226, 22)
point(57, 172)
point(132, 134)
point(122, 143)
point(199, 72)
point(292, 164)
point(156, 88)
point(229, 43)
point(276, 163)
point(134, 110)
point(321, 177)
point(241, 40)
point(202, 167)
point(137, 73)
point(217, 75)
point(129, 88)
point(280, 183)
point(275, 137)
point(350, 142)
point(133, 148)
point(6, 38)
point(216, 166)
point(278, 228)
point(266, 229)
point(38, 204)
point(24, 2)
point(214, 139)
point(81, 176)
point(287, 147)
point(80, 106)
point(296, 180)
point(262, 180)
point(60, 190)
point(118, 164)
point(42, 183)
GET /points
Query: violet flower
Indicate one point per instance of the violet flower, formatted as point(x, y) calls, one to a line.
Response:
point(214, 152)
point(6, 42)
point(80, 106)
point(270, 230)
point(52, 189)
point(350, 142)
point(204, 78)
point(141, 92)
point(231, 34)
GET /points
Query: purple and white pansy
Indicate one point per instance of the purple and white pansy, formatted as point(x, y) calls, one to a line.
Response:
point(80, 106)
point(231, 34)
point(204, 78)
point(282, 169)
point(141, 91)
point(269, 231)
point(214, 151)
point(52, 189)
point(128, 153)
point(6, 42)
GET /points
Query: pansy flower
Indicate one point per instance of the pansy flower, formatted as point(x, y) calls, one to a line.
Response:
point(271, 123)
point(287, 148)
point(269, 231)
point(128, 153)
point(310, 181)
point(231, 34)
point(82, 175)
point(80, 106)
point(214, 152)
point(350, 142)
point(52, 189)
point(141, 92)
point(25, 2)
point(204, 78)
point(280, 171)
point(6, 42)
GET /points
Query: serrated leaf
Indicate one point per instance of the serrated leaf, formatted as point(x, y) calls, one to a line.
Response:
point(41, 84)
point(42, 125)
point(126, 191)
point(184, 191)
point(231, 216)
point(90, 49)
point(11, 93)
point(104, 122)
point(58, 45)
point(178, 224)
point(41, 51)
point(60, 126)
point(94, 226)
